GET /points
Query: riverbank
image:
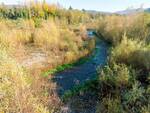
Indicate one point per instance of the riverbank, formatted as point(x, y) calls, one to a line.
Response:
point(76, 76)
point(26, 51)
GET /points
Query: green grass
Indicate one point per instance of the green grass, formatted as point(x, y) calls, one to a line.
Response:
point(86, 86)
point(66, 66)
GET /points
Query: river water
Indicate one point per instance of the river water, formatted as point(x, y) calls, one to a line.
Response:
point(69, 78)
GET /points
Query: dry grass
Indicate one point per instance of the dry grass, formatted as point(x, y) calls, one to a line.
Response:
point(47, 35)
point(113, 27)
point(130, 37)
point(18, 34)
point(18, 92)
point(37, 30)
point(124, 83)
point(132, 52)
point(23, 90)
point(123, 50)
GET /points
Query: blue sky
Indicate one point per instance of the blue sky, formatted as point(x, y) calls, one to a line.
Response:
point(100, 5)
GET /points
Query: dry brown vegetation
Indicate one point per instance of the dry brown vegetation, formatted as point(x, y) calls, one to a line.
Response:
point(28, 45)
point(124, 82)
point(25, 90)
point(21, 92)
point(43, 36)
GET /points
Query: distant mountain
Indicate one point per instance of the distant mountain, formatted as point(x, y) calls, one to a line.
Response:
point(124, 12)
point(132, 11)
point(13, 6)
point(147, 10)
point(129, 11)
point(97, 12)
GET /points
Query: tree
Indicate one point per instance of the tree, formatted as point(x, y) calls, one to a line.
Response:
point(70, 8)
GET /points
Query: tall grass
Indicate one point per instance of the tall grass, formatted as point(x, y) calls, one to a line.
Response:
point(112, 28)
point(24, 90)
point(42, 10)
point(49, 36)
point(129, 35)
point(17, 93)
point(132, 52)
point(120, 90)
point(124, 82)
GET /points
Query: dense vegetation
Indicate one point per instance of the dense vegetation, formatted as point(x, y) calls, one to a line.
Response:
point(122, 85)
point(37, 11)
point(124, 82)
point(50, 30)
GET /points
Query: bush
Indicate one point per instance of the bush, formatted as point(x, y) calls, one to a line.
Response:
point(113, 27)
point(116, 75)
point(134, 99)
point(47, 35)
point(16, 33)
point(122, 51)
point(109, 105)
point(15, 93)
point(141, 58)
point(120, 91)
point(124, 82)
point(131, 96)
point(132, 52)
point(22, 91)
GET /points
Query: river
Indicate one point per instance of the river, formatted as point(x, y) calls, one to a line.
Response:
point(69, 78)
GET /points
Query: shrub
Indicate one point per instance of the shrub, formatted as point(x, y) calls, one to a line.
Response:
point(141, 58)
point(109, 105)
point(15, 93)
point(113, 27)
point(132, 52)
point(15, 33)
point(47, 35)
point(122, 51)
point(116, 75)
point(70, 41)
point(21, 91)
point(123, 89)
point(134, 94)
point(134, 99)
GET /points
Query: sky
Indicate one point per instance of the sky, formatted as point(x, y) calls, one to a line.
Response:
point(99, 5)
